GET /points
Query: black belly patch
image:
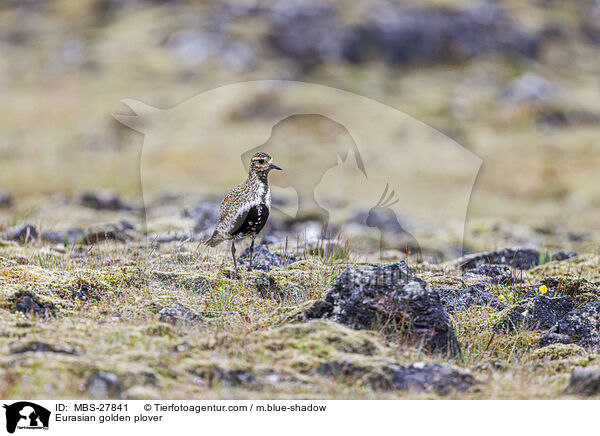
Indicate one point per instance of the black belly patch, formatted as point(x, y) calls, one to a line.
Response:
point(251, 222)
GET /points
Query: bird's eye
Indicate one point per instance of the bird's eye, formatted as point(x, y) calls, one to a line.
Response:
point(261, 161)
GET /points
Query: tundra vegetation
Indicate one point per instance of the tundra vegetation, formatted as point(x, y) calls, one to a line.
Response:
point(109, 294)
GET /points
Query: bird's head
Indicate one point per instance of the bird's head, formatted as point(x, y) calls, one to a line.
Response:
point(262, 163)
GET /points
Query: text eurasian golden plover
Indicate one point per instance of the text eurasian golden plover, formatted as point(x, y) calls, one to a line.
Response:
point(245, 209)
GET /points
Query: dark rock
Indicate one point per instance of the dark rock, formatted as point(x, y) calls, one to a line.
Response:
point(179, 314)
point(5, 199)
point(41, 347)
point(102, 200)
point(267, 287)
point(86, 291)
point(584, 381)
point(530, 88)
point(581, 290)
point(554, 338)
point(400, 35)
point(441, 378)
point(548, 311)
point(215, 376)
point(582, 326)
point(196, 283)
point(263, 259)
point(205, 214)
point(464, 299)
point(24, 234)
point(563, 255)
point(104, 385)
point(520, 258)
point(539, 313)
point(30, 304)
point(420, 376)
point(230, 378)
point(591, 20)
point(498, 274)
point(390, 296)
point(69, 237)
point(109, 232)
point(308, 33)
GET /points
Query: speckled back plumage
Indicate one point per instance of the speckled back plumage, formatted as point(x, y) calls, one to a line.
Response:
point(245, 209)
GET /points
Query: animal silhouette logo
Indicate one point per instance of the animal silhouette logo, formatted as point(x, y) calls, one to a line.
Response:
point(308, 145)
point(383, 217)
point(202, 146)
point(26, 415)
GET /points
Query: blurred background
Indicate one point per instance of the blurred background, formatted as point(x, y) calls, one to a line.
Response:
point(514, 82)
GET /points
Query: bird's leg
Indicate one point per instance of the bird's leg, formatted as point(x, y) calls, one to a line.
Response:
point(252, 252)
point(233, 254)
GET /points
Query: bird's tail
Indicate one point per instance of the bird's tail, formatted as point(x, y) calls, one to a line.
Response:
point(215, 239)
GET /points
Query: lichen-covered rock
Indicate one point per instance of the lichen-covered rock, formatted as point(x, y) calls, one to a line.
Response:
point(179, 314)
point(582, 326)
point(580, 289)
point(539, 313)
point(563, 255)
point(550, 338)
point(102, 200)
point(5, 199)
point(419, 377)
point(548, 311)
point(205, 214)
point(23, 234)
point(29, 303)
point(520, 258)
point(391, 296)
point(496, 274)
point(267, 287)
point(263, 260)
point(104, 385)
point(463, 299)
point(584, 381)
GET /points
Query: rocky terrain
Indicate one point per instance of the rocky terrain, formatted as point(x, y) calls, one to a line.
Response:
point(107, 292)
point(113, 311)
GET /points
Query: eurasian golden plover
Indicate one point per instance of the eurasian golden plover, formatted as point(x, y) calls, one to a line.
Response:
point(245, 209)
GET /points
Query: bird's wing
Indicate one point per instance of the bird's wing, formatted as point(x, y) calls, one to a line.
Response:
point(231, 207)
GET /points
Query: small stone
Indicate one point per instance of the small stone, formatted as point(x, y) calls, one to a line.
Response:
point(24, 234)
point(267, 287)
point(519, 258)
point(5, 199)
point(563, 255)
point(584, 381)
point(30, 304)
point(179, 314)
point(102, 200)
point(496, 274)
point(464, 299)
point(104, 385)
point(263, 259)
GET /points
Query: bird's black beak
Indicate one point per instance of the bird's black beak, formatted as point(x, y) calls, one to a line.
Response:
point(275, 167)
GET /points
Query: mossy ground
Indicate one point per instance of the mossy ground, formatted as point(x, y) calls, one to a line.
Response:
point(246, 345)
point(58, 139)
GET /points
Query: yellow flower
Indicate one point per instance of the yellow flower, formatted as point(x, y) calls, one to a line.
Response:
point(501, 297)
point(543, 289)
